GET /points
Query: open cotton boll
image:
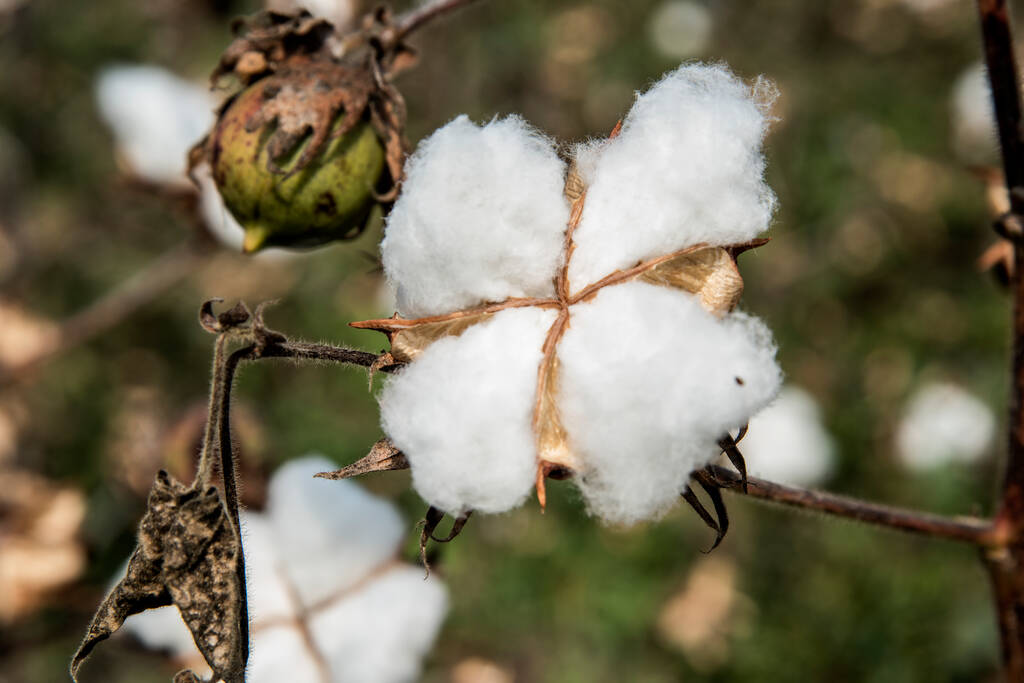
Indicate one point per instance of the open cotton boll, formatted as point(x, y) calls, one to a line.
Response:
point(280, 653)
point(462, 413)
point(686, 168)
point(381, 634)
point(787, 442)
point(329, 534)
point(649, 382)
point(156, 117)
point(943, 423)
point(481, 218)
point(368, 617)
point(268, 596)
point(162, 630)
point(974, 125)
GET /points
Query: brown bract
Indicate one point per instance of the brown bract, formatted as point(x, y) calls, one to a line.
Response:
point(708, 272)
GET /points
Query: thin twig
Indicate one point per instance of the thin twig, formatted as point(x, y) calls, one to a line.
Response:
point(414, 19)
point(968, 529)
point(224, 377)
point(228, 477)
point(116, 305)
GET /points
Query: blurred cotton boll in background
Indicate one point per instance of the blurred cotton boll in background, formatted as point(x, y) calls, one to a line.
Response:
point(338, 12)
point(974, 130)
point(329, 600)
point(943, 423)
point(155, 117)
point(788, 443)
point(680, 28)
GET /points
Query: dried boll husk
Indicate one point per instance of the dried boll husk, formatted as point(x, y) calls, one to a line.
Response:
point(312, 147)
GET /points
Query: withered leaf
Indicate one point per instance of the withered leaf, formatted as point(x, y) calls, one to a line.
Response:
point(187, 555)
point(383, 456)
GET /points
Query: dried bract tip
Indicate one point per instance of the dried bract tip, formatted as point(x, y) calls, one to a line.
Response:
point(383, 457)
point(231, 319)
point(430, 522)
point(267, 39)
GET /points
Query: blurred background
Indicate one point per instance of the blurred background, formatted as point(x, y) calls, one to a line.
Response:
point(893, 339)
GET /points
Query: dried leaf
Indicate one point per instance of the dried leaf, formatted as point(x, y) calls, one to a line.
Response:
point(383, 457)
point(187, 555)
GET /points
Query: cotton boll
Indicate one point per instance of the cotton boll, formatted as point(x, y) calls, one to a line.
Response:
point(680, 28)
point(974, 127)
point(686, 168)
point(787, 442)
point(280, 653)
point(481, 218)
point(155, 116)
point(218, 220)
point(338, 12)
point(162, 629)
point(943, 423)
point(329, 534)
point(649, 382)
point(462, 413)
point(381, 633)
point(268, 595)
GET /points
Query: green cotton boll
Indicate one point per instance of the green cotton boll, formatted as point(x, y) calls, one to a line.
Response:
point(330, 199)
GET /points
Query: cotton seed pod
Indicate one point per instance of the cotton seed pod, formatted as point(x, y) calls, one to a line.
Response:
point(278, 197)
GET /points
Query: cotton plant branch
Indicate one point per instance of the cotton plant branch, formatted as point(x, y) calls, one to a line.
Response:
point(414, 19)
point(1005, 561)
point(966, 529)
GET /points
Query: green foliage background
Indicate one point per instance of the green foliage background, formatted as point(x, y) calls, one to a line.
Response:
point(869, 283)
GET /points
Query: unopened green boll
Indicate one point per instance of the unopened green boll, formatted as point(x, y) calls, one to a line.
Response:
point(329, 199)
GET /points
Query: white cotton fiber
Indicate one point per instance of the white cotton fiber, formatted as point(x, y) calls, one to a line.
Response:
point(649, 382)
point(155, 116)
point(787, 441)
point(686, 168)
point(269, 597)
point(481, 218)
point(462, 413)
point(280, 653)
point(329, 534)
point(163, 630)
point(381, 633)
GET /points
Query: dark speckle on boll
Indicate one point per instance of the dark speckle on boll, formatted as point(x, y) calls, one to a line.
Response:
point(325, 204)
